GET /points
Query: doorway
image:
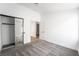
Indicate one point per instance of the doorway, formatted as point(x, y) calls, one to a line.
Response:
point(35, 31)
point(11, 31)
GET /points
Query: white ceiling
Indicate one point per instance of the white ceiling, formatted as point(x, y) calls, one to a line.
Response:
point(50, 7)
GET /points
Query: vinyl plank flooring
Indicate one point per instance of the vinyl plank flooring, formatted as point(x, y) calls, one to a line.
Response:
point(39, 48)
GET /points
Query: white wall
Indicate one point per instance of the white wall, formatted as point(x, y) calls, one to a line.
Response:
point(78, 30)
point(20, 11)
point(60, 28)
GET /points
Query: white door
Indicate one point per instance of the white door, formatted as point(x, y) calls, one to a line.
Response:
point(18, 32)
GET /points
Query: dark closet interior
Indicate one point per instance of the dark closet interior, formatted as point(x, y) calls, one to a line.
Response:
point(12, 31)
point(8, 31)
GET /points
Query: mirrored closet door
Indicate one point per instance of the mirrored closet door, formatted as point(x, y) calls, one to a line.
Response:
point(18, 32)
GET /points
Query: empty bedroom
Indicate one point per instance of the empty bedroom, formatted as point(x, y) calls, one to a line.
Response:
point(39, 29)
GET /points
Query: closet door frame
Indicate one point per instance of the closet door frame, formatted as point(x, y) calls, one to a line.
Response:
point(14, 20)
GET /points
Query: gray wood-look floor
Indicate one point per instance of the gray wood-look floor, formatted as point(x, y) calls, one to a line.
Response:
point(40, 48)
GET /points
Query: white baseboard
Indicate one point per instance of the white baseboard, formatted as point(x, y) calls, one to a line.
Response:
point(63, 46)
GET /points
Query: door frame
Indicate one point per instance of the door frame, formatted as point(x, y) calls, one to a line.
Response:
point(32, 21)
point(14, 19)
